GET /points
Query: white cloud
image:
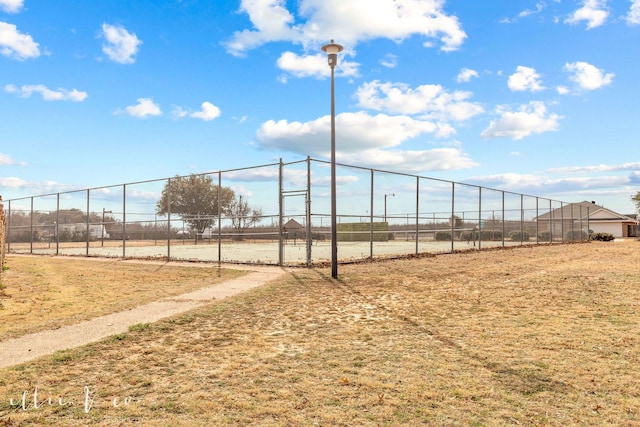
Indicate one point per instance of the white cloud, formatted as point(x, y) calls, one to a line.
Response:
point(431, 101)
point(540, 6)
point(552, 186)
point(16, 45)
point(593, 11)
point(633, 17)
point(7, 160)
point(11, 6)
point(632, 166)
point(207, 113)
point(121, 46)
point(13, 182)
point(525, 78)
point(48, 94)
point(271, 21)
point(144, 108)
point(587, 76)
point(416, 161)
point(562, 90)
point(363, 140)
point(466, 74)
point(315, 65)
point(530, 119)
point(356, 21)
point(356, 132)
point(389, 61)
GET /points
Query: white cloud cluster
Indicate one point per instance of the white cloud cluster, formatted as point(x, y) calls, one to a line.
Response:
point(525, 79)
point(14, 44)
point(364, 139)
point(559, 185)
point(147, 107)
point(389, 61)
point(527, 120)
point(144, 108)
point(631, 166)
point(7, 160)
point(633, 17)
point(120, 45)
point(594, 12)
point(466, 74)
point(358, 131)
point(314, 65)
point(356, 21)
point(429, 101)
point(11, 6)
point(48, 94)
point(587, 76)
point(540, 6)
point(207, 113)
point(13, 182)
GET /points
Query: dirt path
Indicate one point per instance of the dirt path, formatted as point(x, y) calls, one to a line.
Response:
point(32, 346)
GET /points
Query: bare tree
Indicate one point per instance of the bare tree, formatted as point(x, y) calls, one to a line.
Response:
point(242, 216)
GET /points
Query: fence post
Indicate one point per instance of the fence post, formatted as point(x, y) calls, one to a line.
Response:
point(3, 236)
point(169, 219)
point(371, 217)
point(562, 221)
point(453, 210)
point(31, 228)
point(537, 221)
point(479, 218)
point(124, 220)
point(521, 219)
point(308, 212)
point(503, 219)
point(551, 220)
point(280, 214)
point(87, 224)
point(417, 214)
point(219, 218)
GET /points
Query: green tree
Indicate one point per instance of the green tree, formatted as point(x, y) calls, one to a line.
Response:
point(195, 199)
point(242, 216)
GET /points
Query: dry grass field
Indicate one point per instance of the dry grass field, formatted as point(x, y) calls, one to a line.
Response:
point(47, 292)
point(531, 336)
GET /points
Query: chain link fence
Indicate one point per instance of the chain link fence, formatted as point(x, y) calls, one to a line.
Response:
point(380, 214)
point(3, 238)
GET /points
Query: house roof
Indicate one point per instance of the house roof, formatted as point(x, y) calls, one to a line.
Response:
point(292, 224)
point(584, 210)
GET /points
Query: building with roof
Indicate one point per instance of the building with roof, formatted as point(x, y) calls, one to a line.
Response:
point(598, 218)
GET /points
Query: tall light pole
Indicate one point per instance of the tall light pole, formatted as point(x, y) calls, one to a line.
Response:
point(332, 49)
point(385, 204)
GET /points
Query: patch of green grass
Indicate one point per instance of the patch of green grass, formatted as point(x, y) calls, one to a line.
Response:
point(140, 327)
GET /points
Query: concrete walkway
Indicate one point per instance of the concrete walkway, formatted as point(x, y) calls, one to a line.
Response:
point(32, 346)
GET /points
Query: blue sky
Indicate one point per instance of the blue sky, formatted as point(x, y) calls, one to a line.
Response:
point(539, 97)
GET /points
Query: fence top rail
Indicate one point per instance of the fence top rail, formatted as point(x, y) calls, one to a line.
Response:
point(280, 163)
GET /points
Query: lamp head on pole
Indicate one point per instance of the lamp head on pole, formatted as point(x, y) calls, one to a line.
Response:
point(332, 49)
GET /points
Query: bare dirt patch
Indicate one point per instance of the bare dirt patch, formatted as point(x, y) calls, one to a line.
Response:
point(529, 336)
point(47, 292)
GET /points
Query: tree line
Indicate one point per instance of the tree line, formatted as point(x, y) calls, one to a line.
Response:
point(196, 199)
